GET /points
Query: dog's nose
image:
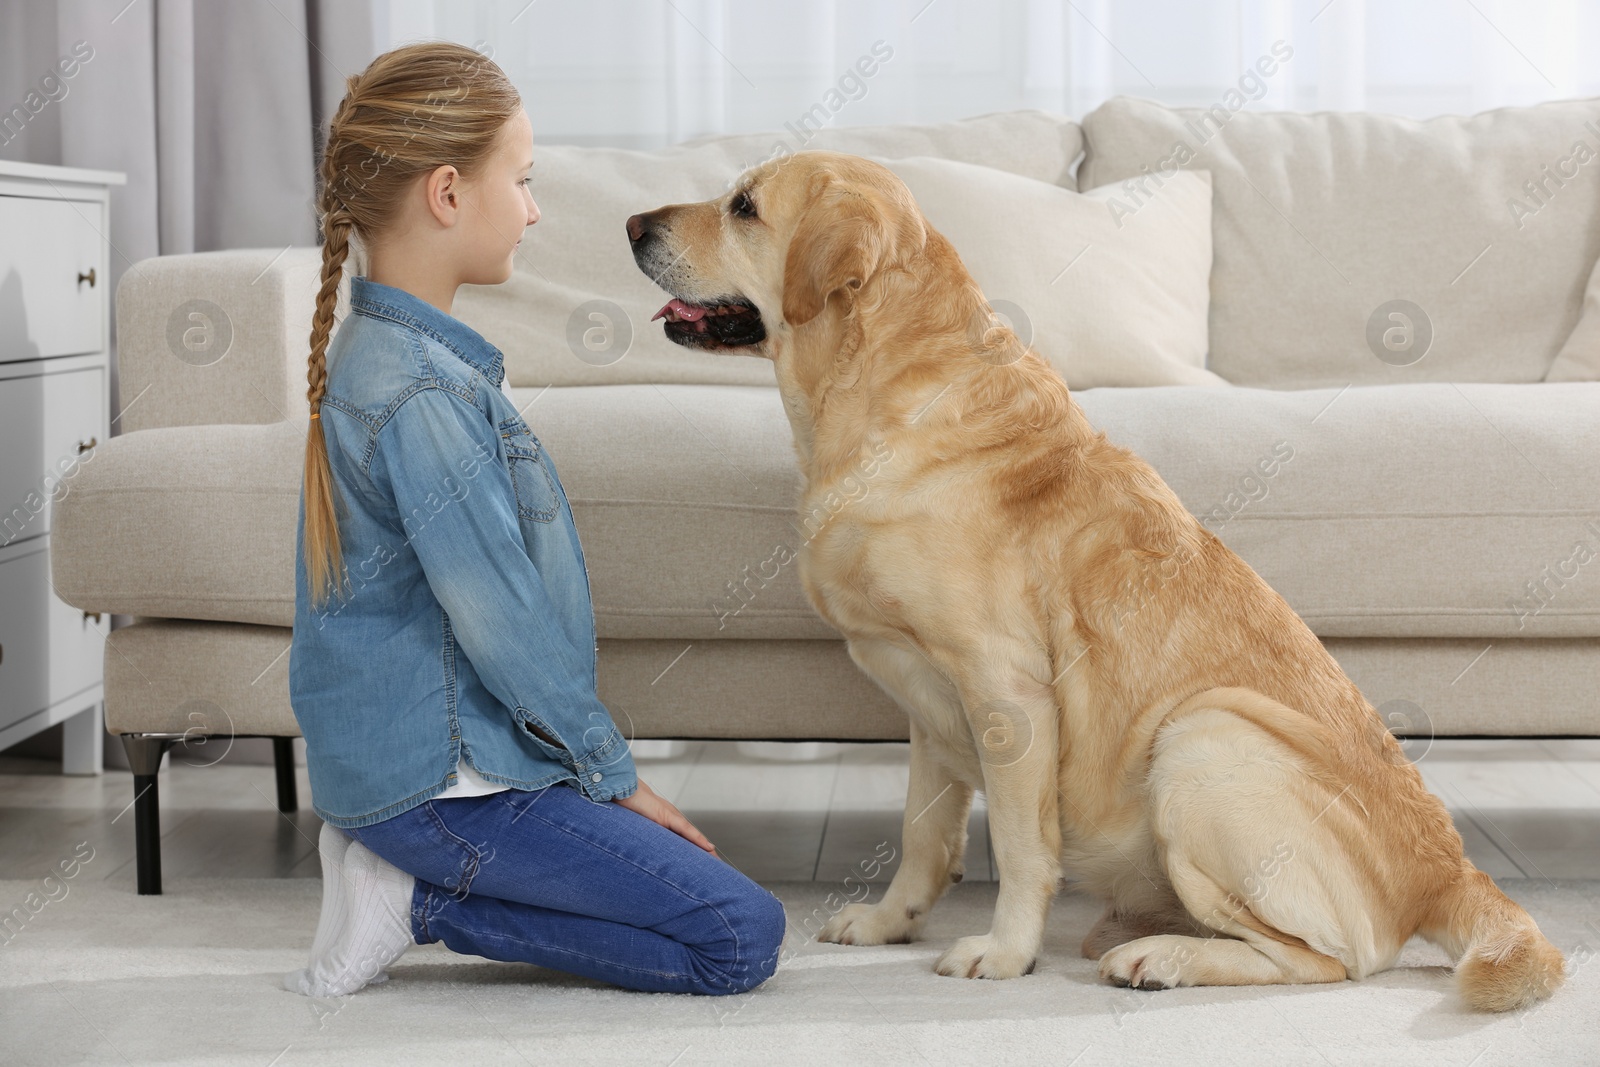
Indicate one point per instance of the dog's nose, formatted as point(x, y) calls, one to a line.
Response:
point(635, 227)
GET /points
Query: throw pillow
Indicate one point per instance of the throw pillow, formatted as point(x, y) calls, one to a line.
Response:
point(1112, 289)
point(1579, 358)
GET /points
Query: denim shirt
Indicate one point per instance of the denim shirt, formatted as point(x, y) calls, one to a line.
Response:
point(467, 623)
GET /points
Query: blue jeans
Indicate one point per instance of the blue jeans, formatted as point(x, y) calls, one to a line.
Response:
point(553, 878)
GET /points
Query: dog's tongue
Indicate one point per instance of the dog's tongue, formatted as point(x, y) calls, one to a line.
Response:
point(687, 312)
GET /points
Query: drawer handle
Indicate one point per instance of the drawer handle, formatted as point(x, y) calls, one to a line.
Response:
point(95, 615)
point(84, 446)
point(82, 277)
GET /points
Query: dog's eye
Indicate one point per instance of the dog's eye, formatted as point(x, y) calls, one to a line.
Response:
point(742, 205)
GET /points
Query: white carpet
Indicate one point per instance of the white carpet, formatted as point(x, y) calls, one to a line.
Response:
point(104, 976)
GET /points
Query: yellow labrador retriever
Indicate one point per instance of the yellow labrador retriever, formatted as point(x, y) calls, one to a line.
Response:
point(1136, 704)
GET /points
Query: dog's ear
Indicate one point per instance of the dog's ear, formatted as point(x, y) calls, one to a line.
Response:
point(838, 244)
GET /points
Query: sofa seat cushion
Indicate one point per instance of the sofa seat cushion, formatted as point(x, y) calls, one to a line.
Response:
point(1385, 511)
point(1434, 510)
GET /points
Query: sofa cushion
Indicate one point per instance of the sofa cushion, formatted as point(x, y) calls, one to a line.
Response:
point(1579, 358)
point(576, 310)
point(1433, 510)
point(1486, 226)
point(1397, 511)
point(1120, 299)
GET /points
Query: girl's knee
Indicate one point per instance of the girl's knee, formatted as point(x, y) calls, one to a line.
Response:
point(742, 961)
point(769, 923)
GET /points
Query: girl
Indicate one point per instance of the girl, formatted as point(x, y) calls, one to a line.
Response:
point(473, 787)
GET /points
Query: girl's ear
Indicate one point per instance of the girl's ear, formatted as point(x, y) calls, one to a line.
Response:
point(442, 187)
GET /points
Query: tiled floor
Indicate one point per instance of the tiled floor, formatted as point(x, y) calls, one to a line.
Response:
point(1525, 808)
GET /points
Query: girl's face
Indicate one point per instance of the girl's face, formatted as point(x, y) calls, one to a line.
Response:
point(498, 206)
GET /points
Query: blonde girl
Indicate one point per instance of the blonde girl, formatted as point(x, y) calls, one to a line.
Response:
point(473, 787)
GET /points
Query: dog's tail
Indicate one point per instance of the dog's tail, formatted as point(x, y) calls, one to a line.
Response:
point(1502, 960)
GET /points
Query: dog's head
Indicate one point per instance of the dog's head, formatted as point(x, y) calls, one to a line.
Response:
point(795, 236)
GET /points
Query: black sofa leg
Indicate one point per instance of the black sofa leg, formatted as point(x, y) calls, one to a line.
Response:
point(144, 757)
point(283, 760)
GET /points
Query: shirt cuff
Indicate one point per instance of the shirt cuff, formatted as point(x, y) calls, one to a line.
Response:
point(606, 772)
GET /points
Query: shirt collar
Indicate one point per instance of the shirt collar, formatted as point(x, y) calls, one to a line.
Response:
point(396, 305)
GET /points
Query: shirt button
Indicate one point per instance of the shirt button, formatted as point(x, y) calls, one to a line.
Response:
point(596, 776)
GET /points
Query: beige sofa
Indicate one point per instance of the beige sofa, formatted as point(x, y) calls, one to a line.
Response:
point(1434, 524)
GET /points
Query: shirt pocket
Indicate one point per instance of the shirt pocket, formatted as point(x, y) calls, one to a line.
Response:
point(537, 498)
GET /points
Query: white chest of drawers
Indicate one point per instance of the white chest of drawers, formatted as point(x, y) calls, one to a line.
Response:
point(54, 409)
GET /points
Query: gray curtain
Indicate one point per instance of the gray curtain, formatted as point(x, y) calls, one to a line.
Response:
point(213, 109)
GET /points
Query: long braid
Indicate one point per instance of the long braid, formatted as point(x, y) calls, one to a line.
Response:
point(323, 555)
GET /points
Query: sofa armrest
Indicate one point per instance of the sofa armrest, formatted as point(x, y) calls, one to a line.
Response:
point(193, 522)
point(216, 337)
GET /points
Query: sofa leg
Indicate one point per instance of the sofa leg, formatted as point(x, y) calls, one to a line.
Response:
point(147, 833)
point(283, 760)
point(144, 757)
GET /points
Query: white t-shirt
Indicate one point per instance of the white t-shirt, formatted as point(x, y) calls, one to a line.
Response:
point(469, 783)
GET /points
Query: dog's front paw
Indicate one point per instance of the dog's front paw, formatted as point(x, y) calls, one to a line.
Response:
point(981, 956)
point(869, 924)
point(1148, 963)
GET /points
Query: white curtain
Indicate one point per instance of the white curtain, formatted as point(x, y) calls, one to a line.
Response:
point(646, 73)
point(212, 106)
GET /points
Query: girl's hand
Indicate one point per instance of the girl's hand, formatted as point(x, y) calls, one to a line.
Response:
point(656, 808)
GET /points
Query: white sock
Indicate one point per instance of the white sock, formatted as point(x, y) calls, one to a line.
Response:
point(331, 846)
point(365, 924)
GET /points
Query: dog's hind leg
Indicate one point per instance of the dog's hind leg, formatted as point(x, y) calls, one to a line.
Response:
point(1168, 960)
point(1118, 927)
point(1246, 832)
point(934, 832)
